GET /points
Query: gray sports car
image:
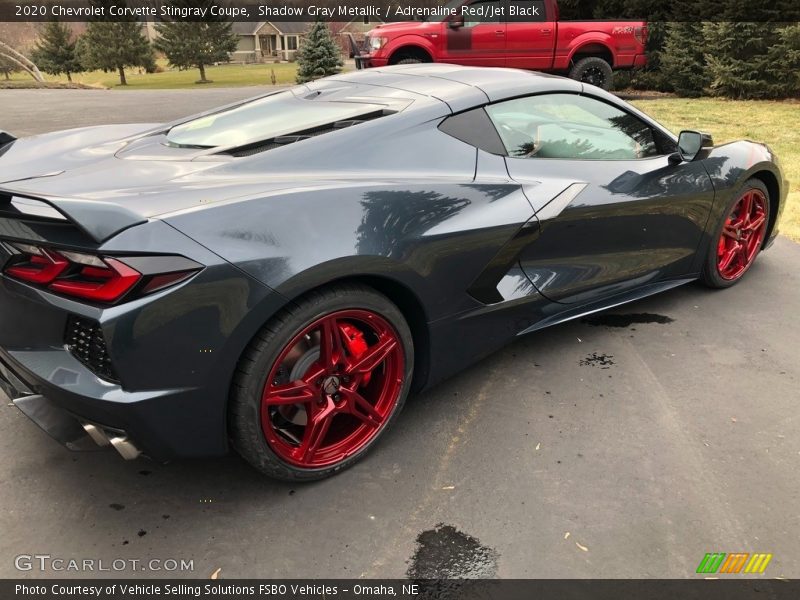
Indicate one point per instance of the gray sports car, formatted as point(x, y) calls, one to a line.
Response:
point(276, 275)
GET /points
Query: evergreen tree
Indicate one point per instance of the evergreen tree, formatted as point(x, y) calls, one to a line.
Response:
point(319, 54)
point(115, 45)
point(196, 44)
point(739, 60)
point(55, 51)
point(784, 62)
point(683, 63)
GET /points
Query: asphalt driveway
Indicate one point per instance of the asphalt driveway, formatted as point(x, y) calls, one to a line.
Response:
point(628, 445)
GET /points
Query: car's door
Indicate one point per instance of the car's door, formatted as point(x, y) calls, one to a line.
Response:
point(530, 35)
point(481, 39)
point(627, 215)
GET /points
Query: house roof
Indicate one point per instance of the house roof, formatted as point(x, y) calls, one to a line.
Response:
point(283, 27)
point(245, 28)
point(290, 27)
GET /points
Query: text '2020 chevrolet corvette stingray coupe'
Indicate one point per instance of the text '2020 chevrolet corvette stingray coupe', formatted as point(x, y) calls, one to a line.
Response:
point(278, 274)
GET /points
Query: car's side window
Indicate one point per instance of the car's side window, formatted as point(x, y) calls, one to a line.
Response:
point(571, 126)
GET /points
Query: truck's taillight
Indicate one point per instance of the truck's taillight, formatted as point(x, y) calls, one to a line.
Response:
point(99, 279)
point(640, 33)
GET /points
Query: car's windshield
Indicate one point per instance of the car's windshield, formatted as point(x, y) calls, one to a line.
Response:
point(279, 114)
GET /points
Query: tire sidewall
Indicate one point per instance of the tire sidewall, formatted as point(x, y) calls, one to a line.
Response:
point(290, 324)
point(710, 271)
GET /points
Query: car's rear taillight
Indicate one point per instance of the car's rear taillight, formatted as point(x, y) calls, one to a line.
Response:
point(640, 33)
point(41, 266)
point(99, 279)
point(100, 284)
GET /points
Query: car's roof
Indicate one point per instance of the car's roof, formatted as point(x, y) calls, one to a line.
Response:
point(458, 86)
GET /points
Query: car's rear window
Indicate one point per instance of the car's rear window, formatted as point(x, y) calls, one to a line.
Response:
point(276, 115)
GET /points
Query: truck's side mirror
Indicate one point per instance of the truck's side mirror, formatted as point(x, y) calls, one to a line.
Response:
point(690, 143)
point(456, 21)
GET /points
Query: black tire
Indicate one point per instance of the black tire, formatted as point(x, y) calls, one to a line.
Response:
point(246, 432)
point(408, 61)
point(711, 275)
point(593, 70)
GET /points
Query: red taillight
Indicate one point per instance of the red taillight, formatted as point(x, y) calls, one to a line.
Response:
point(42, 267)
point(101, 284)
point(96, 278)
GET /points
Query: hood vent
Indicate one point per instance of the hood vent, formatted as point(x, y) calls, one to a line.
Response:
point(283, 140)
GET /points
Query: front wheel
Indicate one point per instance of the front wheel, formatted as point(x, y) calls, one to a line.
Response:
point(320, 383)
point(739, 237)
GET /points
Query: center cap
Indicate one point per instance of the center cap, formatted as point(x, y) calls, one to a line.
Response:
point(330, 385)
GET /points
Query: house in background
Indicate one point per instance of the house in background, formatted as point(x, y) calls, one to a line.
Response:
point(268, 41)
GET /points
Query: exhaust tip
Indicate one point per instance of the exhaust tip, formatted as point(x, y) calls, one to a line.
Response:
point(98, 435)
point(126, 448)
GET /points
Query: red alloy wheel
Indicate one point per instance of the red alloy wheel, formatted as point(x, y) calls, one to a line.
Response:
point(742, 235)
point(332, 388)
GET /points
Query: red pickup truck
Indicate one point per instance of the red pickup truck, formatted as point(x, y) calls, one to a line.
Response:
point(525, 34)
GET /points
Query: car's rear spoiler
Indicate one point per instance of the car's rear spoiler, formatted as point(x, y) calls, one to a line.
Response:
point(99, 220)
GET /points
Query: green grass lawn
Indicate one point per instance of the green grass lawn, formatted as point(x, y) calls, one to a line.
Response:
point(221, 76)
point(774, 123)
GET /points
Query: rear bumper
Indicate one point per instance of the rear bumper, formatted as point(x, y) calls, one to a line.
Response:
point(58, 423)
point(80, 411)
point(629, 61)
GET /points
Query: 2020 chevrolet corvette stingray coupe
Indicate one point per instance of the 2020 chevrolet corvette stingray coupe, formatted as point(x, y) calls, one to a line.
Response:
point(278, 274)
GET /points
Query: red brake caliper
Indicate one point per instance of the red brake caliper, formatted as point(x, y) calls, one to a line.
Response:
point(356, 345)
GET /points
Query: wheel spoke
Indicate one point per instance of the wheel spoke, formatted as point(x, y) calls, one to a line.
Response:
point(294, 392)
point(746, 207)
point(331, 350)
point(743, 255)
point(316, 430)
point(726, 259)
point(756, 223)
point(360, 408)
point(373, 357)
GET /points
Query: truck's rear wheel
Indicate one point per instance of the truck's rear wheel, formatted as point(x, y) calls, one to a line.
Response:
point(594, 71)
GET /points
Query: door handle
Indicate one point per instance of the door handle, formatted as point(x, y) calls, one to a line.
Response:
point(547, 31)
point(499, 33)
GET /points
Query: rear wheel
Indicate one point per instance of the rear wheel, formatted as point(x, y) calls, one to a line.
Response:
point(320, 383)
point(594, 71)
point(739, 237)
point(408, 61)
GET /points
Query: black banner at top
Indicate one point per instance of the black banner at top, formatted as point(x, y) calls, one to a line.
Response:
point(377, 11)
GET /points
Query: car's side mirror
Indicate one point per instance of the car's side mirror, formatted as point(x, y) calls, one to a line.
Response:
point(456, 22)
point(690, 143)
